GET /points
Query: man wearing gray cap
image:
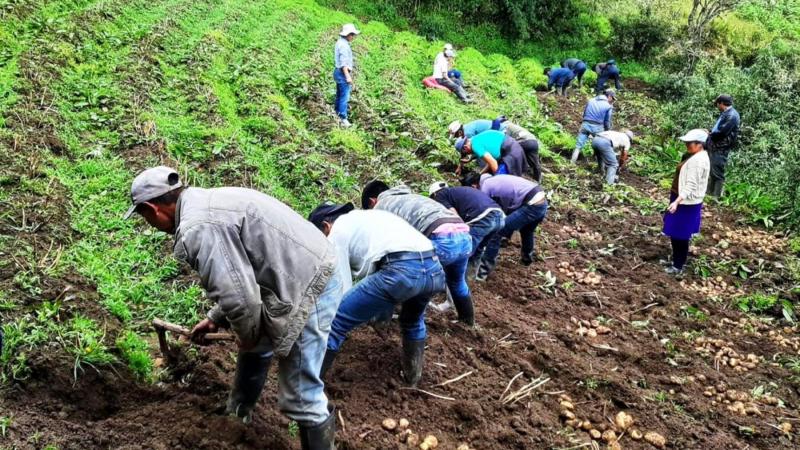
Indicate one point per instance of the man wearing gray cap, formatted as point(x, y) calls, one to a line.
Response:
point(272, 276)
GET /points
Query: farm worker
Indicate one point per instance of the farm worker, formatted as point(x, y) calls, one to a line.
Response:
point(606, 71)
point(441, 67)
point(525, 205)
point(605, 145)
point(272, 278)
point(721, 141)
point(683, 215)
point(478, 210)
point(343, 72)
point(577, 66)
point(449, 234)
point(397, 267)
point(529, 144)
point(491, 146)
point(596, 119)
point(560, 78)
point(471, 129)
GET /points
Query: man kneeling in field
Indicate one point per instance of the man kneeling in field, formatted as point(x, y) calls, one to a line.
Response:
point(273, 279)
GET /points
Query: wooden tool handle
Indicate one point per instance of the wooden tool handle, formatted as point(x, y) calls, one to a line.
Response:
point(159, 324)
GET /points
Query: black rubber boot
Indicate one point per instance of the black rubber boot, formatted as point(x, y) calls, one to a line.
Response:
point(251, 374)
point(413, 352)
point(319, 437)
point(327, 362)
point(717, 192)
point(466, 311)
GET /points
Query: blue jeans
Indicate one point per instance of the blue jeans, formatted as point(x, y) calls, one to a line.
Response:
point(343, 89)
point(502, 169)
point(409, 281)
point(525, 219)
point(587, 129)
point(483, 230)
point(603, 78)
point(453, 251)
point(606, 158)
point(301, 393)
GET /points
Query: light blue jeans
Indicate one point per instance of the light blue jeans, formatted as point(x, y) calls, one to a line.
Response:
point(343, 89)
point(301, 393)
point(453, 251)
point(406, 279)
point(606, 158)
point(587, 129)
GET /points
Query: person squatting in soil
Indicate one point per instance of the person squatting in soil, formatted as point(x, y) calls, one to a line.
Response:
point(483, 215)
point(500, 153)
point(597, 117)
point(397, 266)
point(684, 213)
point(446, 230)
point(443, 74)
point(343, 71)
point(605, 145)
point(273, 281)
point(529, 144)
point(721, 141)
point(525, 205)
point(577, 66)
point(559, 78)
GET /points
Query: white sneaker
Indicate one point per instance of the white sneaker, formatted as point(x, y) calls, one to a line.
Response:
point(344, 123)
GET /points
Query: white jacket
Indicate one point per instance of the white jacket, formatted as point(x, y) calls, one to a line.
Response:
point(693, 178)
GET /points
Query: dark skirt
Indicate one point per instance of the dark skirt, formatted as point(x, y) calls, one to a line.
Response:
point(685, 222)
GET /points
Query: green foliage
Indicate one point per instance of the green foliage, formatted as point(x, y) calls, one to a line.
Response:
point(756, 303)
point(136, 352)
point(83, 339)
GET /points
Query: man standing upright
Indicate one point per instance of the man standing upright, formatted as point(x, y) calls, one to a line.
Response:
point(272, 278)
point(721, 141)
point(596, 119)
point(576, 66)
point(343, 71)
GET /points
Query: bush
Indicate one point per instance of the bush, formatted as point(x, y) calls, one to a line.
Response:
point(639, 37)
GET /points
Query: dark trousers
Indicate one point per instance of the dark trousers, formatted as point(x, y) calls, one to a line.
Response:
point(603, 78)
point(719, 159)
point(680, 252)
point(531, 149)
point(454, 87)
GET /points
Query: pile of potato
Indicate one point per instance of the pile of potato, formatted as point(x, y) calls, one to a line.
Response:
point(610, 434)
point(725, 355)
point(714, 287)
point(739, 402)
point(755, 240)
point(584, 276)
point(590, 328)
point(778, 338)
point(407, 436)
point(582, 233)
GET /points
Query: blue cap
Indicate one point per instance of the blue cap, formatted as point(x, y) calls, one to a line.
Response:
point(612, 61)
point(460, 144)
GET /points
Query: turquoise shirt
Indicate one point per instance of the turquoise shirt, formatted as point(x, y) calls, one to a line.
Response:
point(489, 141)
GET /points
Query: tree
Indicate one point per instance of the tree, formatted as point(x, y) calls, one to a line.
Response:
point(702, 14)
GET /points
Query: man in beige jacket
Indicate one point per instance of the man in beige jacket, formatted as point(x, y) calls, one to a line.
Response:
point(272, 277)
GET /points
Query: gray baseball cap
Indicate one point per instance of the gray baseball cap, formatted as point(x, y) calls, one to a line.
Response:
point(152, 183)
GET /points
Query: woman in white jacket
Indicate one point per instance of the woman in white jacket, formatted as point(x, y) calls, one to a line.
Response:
point(683, 215)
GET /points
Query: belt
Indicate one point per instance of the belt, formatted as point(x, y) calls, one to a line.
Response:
point(536, 196)
point(404, 256)
point(592, 121)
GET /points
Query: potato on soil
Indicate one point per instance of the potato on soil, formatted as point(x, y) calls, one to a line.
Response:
point(568, 415)
point(623, 420)
point(595, 434)
point(389, 424)
point(609, 436)
point(567, 405)
point(403, 424)
point(636, 434)
point(786, 427)
point(614, 446)
point(655, 439)
point(430, 442)
point(412, 440)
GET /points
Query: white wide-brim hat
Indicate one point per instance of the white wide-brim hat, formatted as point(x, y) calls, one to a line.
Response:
point(348, 29)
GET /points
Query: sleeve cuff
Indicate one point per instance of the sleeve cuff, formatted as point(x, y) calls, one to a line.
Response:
point(215, 315)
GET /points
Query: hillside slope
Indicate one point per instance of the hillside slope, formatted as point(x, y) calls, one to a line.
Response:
point(238, 92)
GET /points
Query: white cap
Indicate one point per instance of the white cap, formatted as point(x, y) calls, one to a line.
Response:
point(696, 135)
point(348, 29)
point(629, 133)
point(450, 53)
point(448, 46)
point(436, 187)
point(454, 127)
point(152, 183)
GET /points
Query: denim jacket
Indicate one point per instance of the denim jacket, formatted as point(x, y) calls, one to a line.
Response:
point(261, 263)
point(726, 131)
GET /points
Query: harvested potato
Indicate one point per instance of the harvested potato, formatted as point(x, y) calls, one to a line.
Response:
point(463, 447)
point(389, 424)
point(586, 425)
point(595, 434)
point(431, 441)
point(655, 439)
point(567, 414)
point(786, 427)
point(614, 446)
point(412, 440)
point(403, 424)
point(636, 434)
point(609, 436)
point(567, 405)
point(623, 420)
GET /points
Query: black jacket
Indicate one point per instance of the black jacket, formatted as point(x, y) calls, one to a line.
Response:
point(724, 139)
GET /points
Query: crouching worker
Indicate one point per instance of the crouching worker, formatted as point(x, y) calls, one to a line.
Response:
point(525, 205)
point(397, 266)
point(448, 233)
point(605, 146)
point(484, 217)
point(271, 276)
point(499, 153)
